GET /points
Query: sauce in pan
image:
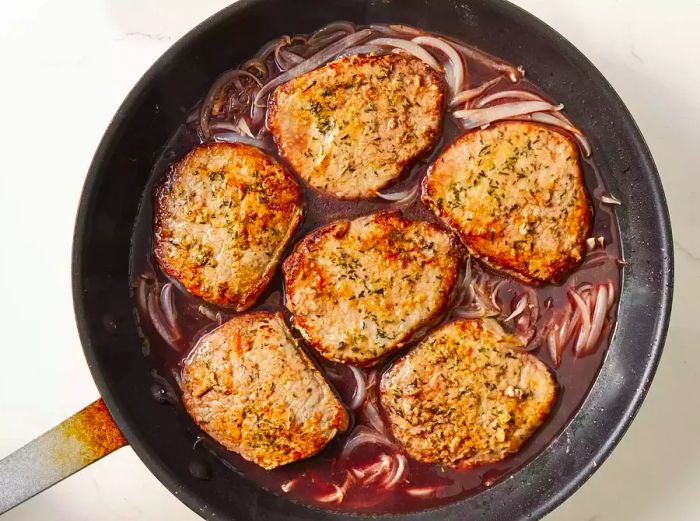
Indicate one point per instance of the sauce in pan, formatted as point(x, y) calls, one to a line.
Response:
point(323, 480)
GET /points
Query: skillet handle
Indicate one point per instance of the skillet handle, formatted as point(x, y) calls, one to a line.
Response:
point(80, 440)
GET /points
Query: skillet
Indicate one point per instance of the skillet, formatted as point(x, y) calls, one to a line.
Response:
point(161, 434)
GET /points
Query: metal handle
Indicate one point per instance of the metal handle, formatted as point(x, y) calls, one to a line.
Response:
point(72, 445)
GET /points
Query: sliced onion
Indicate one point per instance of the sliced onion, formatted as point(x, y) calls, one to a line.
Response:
point(609, 199)
point(373, 379)
point(470, 94)
point(553, 347)
point(585, 330)
point(160, 323)
point(521, 95)
point(457, 71)
point(255, 64)
point(167, 304)
point(333, 27)
point(473, 118)
point(494, 294)
point(289, 485)
point(315, 45)
point(422, 491)
point(600, 312)
point(564, 329)
point(519, 308)
point(232, 137)
point(338, 493)
point(362, 436)
point(573, 323)
point(373, 472)
point(398, 472)
point(514, 73)
point(336, 496)
point(358, 397)
point(215, 91)
point(411, 48)
point(403, 197)
point(267, 49)
point(209, 313)
point(245, 129)
point(315, 61)
point(286, 59)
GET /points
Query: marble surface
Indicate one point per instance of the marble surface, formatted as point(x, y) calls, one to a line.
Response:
point(65, 68)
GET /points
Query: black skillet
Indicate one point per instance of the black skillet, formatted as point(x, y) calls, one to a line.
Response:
point(159, 432)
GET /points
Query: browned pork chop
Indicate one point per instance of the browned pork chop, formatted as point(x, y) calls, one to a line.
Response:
point(223, 216)
point(515, 194)
point(351, 127)
point(359, 289)
point(249, 386)
point(466, 396)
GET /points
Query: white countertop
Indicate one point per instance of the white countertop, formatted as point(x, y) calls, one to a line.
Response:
point(64, 69)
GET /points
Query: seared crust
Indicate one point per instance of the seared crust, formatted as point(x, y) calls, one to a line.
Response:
point(359, 289)
point(223, 216)
point(351, 127)
point(464, 396)
point(250, 387)
point(515, 194)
